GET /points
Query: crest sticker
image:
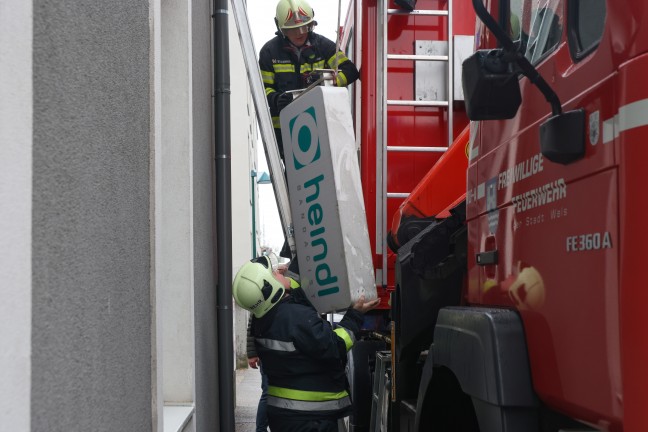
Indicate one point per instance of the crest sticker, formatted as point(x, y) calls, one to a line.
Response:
point(491, 204)
point(594, 127)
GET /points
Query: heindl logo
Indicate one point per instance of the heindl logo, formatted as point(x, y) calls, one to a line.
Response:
point(305, 139)
point(304, 135)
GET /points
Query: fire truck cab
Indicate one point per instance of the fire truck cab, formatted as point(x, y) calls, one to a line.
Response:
point(535, 322)
point(553, 231)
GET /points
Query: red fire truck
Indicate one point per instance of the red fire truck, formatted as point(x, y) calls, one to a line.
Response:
point(512, 301)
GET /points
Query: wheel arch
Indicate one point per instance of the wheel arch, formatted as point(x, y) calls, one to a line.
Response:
point(485, 349)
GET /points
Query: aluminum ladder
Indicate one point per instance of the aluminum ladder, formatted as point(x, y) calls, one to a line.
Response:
point(382, 147)
point(265, 121)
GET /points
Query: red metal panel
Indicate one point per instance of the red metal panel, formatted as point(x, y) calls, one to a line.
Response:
point(571, 266)
point(573, 364)
point(584, 327)
point(407, 126)
point(633, 150)
point(368, 116)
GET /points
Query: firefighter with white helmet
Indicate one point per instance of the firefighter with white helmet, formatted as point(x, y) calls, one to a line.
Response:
point(294, 16)
point(289, 60)
point(258, 286)
point(303, 357)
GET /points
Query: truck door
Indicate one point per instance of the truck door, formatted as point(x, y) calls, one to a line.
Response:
point(545, 234)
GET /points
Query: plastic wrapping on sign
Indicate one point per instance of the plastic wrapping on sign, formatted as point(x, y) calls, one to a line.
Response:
point(326, 202)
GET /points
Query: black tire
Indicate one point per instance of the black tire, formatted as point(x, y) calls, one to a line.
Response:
point(446, 407)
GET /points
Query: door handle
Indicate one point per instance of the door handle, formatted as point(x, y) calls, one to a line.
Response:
point(487, 258)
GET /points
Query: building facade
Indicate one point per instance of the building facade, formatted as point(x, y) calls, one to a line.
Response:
point(107, 214)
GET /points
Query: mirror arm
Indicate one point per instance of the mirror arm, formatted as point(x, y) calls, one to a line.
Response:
point(493, 26)
point(529, 71)
point(526, 67)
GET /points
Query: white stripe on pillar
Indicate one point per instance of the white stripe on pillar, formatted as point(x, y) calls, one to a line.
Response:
point(16, 109)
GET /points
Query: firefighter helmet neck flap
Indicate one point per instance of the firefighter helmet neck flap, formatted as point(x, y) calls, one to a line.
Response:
point(255, 288)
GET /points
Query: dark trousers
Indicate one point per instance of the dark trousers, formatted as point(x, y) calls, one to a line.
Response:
point(280, 423)
point(262, 409)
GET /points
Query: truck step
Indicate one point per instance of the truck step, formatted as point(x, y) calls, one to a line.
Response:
point(407, 415)
point(381, 394)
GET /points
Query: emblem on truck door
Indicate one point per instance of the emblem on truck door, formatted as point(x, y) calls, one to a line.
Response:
point(491, 204)
point(594, 127)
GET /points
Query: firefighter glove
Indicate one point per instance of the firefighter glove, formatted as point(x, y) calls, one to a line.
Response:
point(283, 100)
point(311, 77)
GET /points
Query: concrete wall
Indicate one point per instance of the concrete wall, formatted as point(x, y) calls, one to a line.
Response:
point(107, 247)
point(157, 297)
point(15, 213)
point(91, 253)
point(186, 194)
point(244, 133)
point(243, 152)
point(174, 262)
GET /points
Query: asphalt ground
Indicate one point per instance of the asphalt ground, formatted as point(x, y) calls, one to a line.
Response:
point(248, 392)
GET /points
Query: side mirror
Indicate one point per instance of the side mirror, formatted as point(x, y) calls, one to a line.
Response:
point(491, 89)
point(492, 92)
point(562, 137)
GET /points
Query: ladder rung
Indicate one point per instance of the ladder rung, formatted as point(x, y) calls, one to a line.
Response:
point(417, 57)
point(397, 195)
point(418, 103)
point(417, 12)
point(417, 149)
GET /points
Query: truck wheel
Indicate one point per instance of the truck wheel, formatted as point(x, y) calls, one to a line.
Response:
point(446, 407)
point(361, 365)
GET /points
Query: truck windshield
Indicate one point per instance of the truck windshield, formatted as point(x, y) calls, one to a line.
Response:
point(536, 26)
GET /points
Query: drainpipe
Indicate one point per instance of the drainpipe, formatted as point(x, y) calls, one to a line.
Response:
point(253, 175)
point(223, 146)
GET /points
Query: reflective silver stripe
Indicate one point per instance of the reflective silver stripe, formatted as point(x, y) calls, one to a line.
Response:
point(276, 345)
point(297, 405)
point(630, 116)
